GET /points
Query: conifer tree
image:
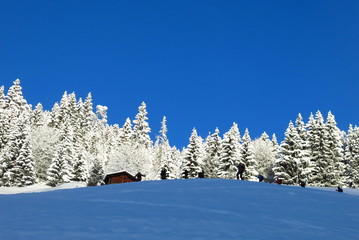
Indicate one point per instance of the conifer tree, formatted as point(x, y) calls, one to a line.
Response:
point(16, 162)
point(333, 153)
point(316, 138)
point(248, 158)
point(61, 168)
point(59, 171)
point(301, 151)
point(15, 100)
point(286, 166)
point(24, 168)
point(80, 173)
point(163, 153)
point(351, 168)
point(212, 155)
point(141, 127)
point(37, 116)
point(96, 174)
point(126, 133)
point(230, 153)
point(192, 155)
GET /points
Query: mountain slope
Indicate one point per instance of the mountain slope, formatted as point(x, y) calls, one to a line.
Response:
point(181, 209)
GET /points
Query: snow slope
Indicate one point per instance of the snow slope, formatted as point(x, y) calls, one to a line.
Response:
point(181, 209)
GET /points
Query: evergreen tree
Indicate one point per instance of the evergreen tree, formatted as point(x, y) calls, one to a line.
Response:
point(61, 168)
point(25, 166)
point(333, 153)
point(16, 161)
point(141, 127)
point(316, 138)
point(96, 174)
point(248, 158)
point(230, 153)
point(15, 100)
point(163, 153)
point(192, 155)
point(286, 166)
point(351, 168)
point(212, 155)
point(301, 149)
point(80, 169)
point(37, 116)
point(59, 171)
point(126, 133)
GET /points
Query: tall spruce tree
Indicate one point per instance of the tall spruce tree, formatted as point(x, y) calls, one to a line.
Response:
point(192, 155)
point(286, 166)
point(230, 153)
point(351, 167)
point(212, 155)
point(333, 154)
point(248, 158)
point(316, 138)
point(302, 150)
point(141, 127)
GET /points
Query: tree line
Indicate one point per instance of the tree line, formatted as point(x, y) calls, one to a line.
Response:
point(74, 142)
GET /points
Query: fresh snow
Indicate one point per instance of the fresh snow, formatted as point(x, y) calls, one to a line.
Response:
point(40, 187)
point(179, 209)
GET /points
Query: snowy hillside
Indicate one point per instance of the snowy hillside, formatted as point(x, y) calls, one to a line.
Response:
point(181, 209)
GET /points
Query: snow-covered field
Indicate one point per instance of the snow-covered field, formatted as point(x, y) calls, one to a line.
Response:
point(179, 209)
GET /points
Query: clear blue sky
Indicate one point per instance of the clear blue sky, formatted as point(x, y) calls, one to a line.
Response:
point(203, 64)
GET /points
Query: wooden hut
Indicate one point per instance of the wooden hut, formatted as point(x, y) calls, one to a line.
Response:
point(119, 177)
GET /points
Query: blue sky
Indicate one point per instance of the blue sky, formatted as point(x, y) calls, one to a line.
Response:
point(203, 64)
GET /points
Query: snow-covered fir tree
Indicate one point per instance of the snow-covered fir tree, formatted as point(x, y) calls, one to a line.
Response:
point(316, 138)
point(96, 174)
point(248, 158)
point(16, 161)
point(302, 153)
point(351, 167)
point(164, 154)
point(333, 153)
point(24, 169)
point(80, 172)
point(126, 133)
point(61, 167)
point(192, 155)
point(286, 166)
point(141, 127)
point(230, 153)
point(211, 156)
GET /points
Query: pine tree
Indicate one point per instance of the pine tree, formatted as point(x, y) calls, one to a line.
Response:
point(80, 173)
point(163, 153)
point(25, 166)
point(141, 127)
point(192, 155)
point(61, 168)
point(248, 158)
point(212, 155)
point(15, 100)
point(37, 117)
point(16, 161)
point(302, 152)
point(351, 168)
point(286, 166)
point(316, 138)
point(59, 171)
point(230, 153)
point(96, 175)
point(333, 153)
point(126, 133)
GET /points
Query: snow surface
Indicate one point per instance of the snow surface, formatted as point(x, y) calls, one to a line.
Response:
point(181, 209)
